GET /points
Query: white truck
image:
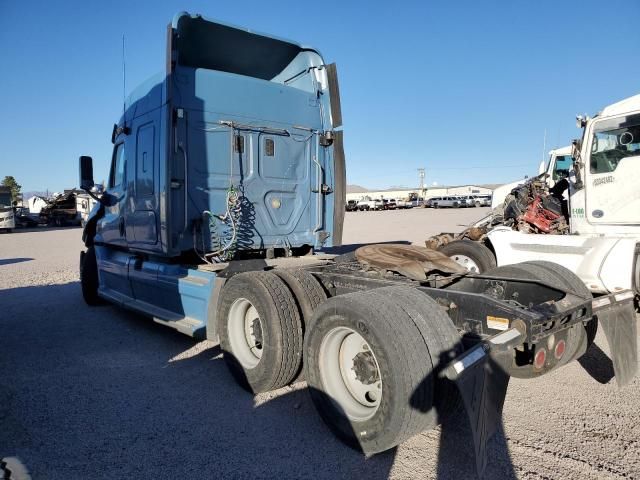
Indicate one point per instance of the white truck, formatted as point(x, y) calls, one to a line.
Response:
point(601, 239)
point(557, 167)
point(367, 203)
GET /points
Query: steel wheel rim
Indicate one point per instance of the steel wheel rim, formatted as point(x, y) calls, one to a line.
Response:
point(337, 358)
point(245, 333)
point(466, 262)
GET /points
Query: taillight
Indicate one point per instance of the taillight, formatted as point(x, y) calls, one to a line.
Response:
point(561, 346)
point(540, 357)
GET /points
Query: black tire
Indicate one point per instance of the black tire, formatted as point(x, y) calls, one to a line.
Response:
point(576, 285)
point(411, 338)
point(477, 204)
point(306, 290)
point(281, 331)
point(476, 251)
point(563, 279)
point(309, 295)
point(89, 277)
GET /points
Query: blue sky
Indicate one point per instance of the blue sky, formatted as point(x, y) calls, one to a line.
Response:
point(464, 89)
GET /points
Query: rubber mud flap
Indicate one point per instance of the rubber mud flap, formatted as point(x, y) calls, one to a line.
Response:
point(621, 329)
point(483, 387)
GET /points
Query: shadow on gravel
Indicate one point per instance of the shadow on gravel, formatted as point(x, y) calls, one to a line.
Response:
point(9, 261)
point(458, 455)
point(105, 393)
point(597, 364)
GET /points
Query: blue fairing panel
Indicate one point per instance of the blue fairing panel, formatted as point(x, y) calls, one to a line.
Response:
point(261, 138)
point(173, 295)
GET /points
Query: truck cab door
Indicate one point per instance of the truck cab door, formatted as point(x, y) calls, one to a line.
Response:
point(612, 172)
point(140, 216)
point(111, 232)
point(111, 228)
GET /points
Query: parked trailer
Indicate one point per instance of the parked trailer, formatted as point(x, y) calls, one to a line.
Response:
point(235, 179)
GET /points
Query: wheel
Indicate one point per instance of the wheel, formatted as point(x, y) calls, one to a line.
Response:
point(574, 282)
point(372, 361)
point(563, 279)
point(308, 293)
point(473, 255)
point(89, 277)
point(260, 331)
point(306, 290)
point(478, 204)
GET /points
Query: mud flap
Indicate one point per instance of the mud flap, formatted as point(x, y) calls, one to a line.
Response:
point(482, 383)
point(621, 329)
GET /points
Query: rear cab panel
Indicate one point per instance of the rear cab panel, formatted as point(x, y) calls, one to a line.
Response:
point(234, 112)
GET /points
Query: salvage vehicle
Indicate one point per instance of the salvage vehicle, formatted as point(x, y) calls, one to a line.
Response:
point(351, 206)
point(445, 202)
point(404, 204)
point(582, 213)
point(7, 220)
point(557, 167)
point(62, 210)
point(227, 184)
point(367, 204)
point(389, 204)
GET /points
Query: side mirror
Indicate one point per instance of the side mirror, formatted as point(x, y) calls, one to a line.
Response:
point(86, 173)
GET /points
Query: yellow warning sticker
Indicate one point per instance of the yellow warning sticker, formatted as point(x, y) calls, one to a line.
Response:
point(497, 323)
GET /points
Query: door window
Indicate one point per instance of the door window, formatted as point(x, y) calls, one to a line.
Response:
point(117, 166)
point(562, 167)
point(614, 140)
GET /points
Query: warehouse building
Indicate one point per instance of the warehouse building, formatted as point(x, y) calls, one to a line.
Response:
point(360, 193)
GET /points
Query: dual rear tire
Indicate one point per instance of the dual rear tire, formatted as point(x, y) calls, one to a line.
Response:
point(371, 359)
point(263, 317)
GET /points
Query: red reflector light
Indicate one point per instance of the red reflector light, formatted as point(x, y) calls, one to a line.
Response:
point(541, 356)
point(560, 348)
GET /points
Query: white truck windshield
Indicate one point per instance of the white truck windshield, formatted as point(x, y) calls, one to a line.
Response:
point(5, 200)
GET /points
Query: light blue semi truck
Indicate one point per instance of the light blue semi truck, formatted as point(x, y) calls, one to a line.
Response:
point(227, 189)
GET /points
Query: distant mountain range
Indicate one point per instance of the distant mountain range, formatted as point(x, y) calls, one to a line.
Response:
point(356, 189)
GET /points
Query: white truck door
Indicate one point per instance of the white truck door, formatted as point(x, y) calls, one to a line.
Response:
point(612, 171)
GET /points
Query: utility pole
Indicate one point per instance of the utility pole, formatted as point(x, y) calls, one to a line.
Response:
point(421, 176)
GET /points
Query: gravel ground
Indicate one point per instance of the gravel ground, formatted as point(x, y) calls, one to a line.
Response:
point(103, 393)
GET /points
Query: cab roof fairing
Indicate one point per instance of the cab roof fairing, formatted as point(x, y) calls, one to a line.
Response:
point(153, 94)
point(238, 50)
point(179, 15)
point(627, 105)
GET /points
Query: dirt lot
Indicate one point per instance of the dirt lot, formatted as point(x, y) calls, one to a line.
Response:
point(103, 393)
